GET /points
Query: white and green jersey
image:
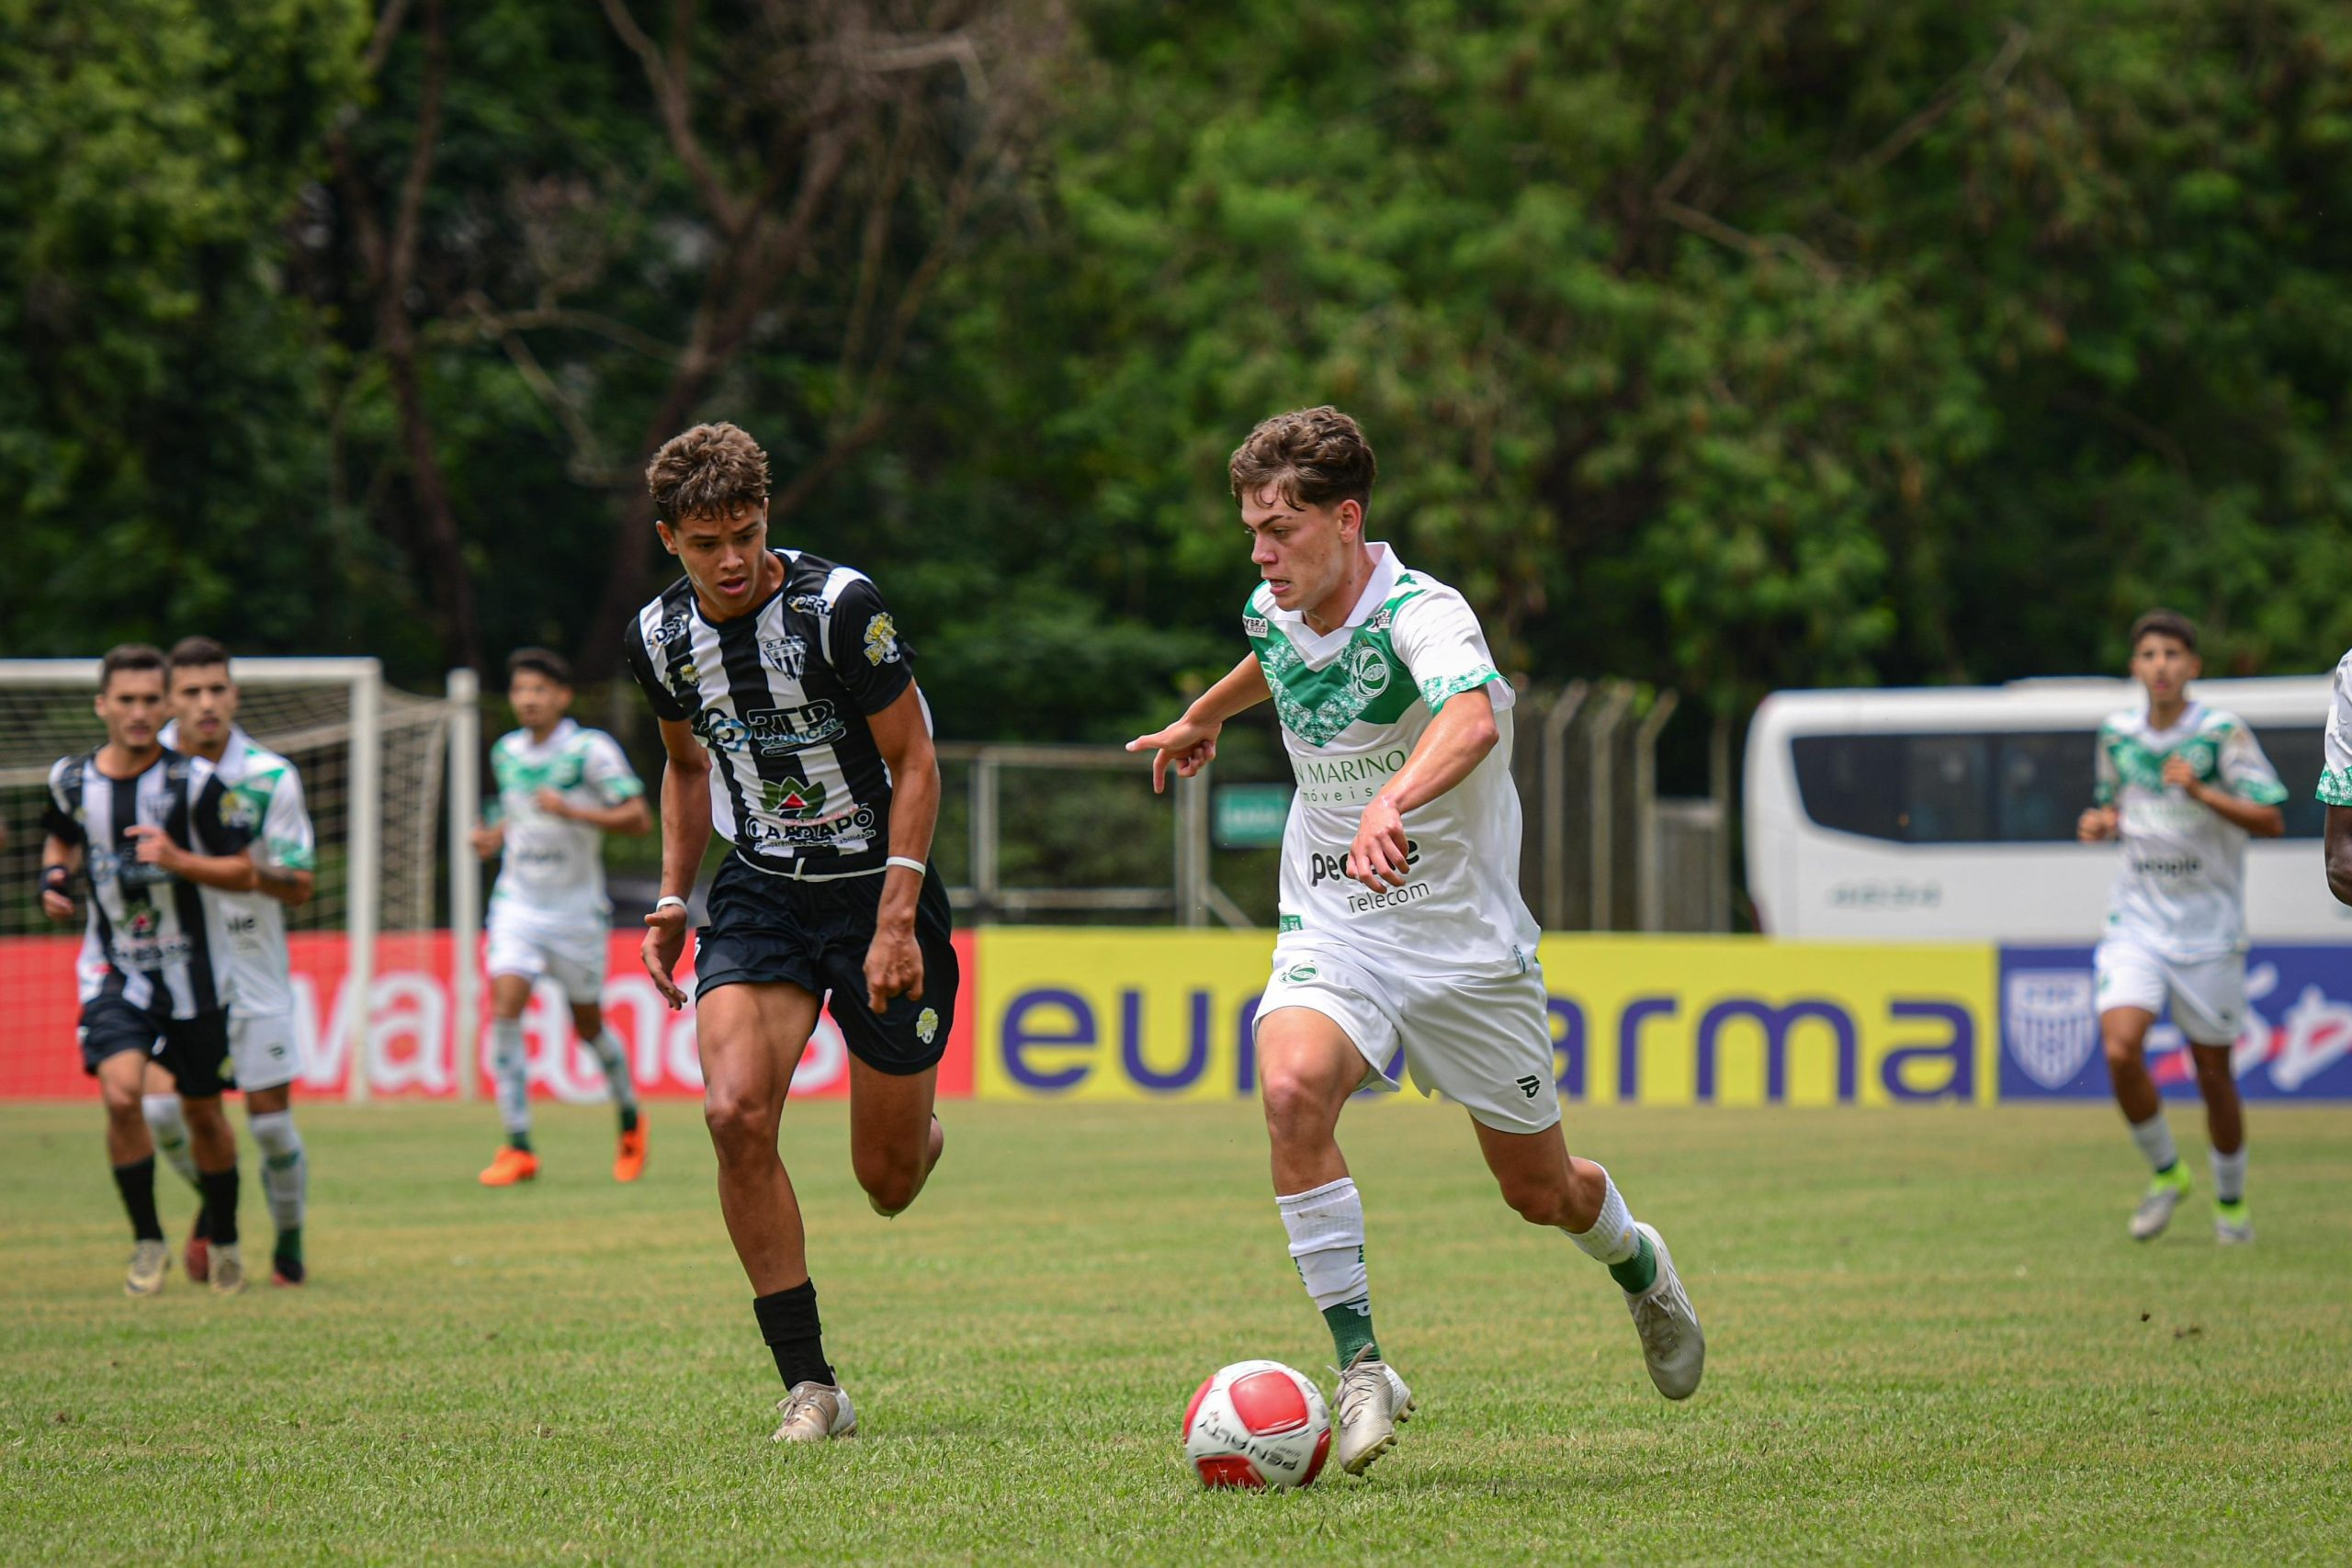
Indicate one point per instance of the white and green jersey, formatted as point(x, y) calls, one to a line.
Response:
point(1353, 705)
point(554, 866)
point(2335, 744)
point(2182, 888)
point(266, 793)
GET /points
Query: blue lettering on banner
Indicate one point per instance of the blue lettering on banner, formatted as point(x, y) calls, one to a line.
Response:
point(1638, 1011)
point(1568, 1046)
point(1776, 1022)
point(1019, 1039)
point(1959, 1050)
point(1197, 1056)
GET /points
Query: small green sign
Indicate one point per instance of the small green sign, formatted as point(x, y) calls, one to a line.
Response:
point(1248, 816)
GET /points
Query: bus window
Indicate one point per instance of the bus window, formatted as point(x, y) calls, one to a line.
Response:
point(2045, 782)
point(2295, 753)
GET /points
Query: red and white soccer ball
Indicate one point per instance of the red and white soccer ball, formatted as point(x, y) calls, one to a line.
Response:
point(1259, 1425)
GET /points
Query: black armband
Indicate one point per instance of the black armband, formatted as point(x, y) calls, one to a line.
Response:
point(56, 879)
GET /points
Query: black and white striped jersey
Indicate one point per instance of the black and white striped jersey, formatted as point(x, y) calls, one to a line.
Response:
point(159, 942)
point(780, 698)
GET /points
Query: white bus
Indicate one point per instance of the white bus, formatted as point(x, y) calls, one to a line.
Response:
point(1948, 813)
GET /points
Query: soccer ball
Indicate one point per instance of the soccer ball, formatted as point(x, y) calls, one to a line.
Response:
point(1256, 1424)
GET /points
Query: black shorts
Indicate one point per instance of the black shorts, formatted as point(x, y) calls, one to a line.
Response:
point(766, 929)
point(195, 1051)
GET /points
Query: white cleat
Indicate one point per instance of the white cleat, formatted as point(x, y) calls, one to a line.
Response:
point(2153, 1215)
point(815, 1412)
point(2233, 1226)
point(1374, 1402)
point(149, 1259)
point(1672, 1341)
point(228, 1269)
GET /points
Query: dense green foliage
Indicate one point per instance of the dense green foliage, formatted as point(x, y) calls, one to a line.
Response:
point(1929, 1341)
point(1724, 347)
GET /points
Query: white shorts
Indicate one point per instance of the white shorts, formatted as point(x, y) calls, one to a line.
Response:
point(1484, 1042)
point(263, 1051)
point(2207, 995)
point(571, 955)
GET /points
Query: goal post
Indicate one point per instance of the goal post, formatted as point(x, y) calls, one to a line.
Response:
point(373, 766)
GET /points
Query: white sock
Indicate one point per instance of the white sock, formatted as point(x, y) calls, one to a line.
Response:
point(285, 1168)
point(511, 1068)
point(1613, 1239)
point(615, 1061)
point(2229, 1176)
point(2155, 1142)
point(169, 1125)
point(1325, 1226)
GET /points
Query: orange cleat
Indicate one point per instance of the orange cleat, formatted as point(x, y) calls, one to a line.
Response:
point(512, 1165)
point(197, 1255)
point(629, 1164)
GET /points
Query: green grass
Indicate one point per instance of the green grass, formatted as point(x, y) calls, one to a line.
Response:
point(1930, 1339)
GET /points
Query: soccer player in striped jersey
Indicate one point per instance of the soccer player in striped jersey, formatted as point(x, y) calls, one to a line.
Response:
point(794, 728)
point(152, 831)
point(562, 787)
point(1402, 927)
point(2182, 785)
point(262, 1047)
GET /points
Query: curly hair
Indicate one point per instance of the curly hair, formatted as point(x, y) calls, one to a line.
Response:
point(1312, 457)
point(708, 472)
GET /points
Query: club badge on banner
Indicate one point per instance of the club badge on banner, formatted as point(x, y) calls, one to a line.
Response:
point(2297, 1043)
point(1106, 1016)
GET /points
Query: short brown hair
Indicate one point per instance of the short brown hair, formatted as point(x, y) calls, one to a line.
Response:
point(2165, 622)
point(539, 662)
point(198, 653)
point(128, 656)
point(707, 472)
point(1312, 457)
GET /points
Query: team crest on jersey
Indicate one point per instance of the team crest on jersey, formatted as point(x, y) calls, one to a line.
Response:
point(792, 797)
point(684, 679)
point(927, 1024)
point(1367, 672)
point(2051, 1019)
point(237, 809)
point(786, 654)
point(882, 640)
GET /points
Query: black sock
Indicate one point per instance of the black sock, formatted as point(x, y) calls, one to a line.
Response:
point(519, 1141)
point(219, 1204)
point(136, 1181)
point(788, 1322)
point(203, 1231)
point(628, 1118)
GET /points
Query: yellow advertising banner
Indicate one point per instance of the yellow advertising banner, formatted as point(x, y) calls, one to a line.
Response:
point(1099, 1014)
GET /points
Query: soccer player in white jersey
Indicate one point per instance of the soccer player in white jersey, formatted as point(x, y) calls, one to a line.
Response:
point(1401, 920)
point(2182, 785)
point(268, 792)
point(153, 834)
point(561, 788)
point(2334, 790)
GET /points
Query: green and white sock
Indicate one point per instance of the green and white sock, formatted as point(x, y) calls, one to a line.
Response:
point(1612, 1240)
point(168, 1125)
point(615, 1061)
point(2156, 1144)
point(510, 1069)
point(2229, 1176)
point(1326, 1226)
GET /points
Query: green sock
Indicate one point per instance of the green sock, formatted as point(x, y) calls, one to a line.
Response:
point(1350, 1324)
point(519, 1141)
point(289, 1245)
point(1639, 1272)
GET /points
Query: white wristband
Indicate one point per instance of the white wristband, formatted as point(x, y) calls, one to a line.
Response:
point(910, 864)
point(666, 901)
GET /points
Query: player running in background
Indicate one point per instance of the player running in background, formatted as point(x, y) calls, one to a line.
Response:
point(1401, 918)
point(2334, 790)
point(561, 789)
point(268, 793)
point(2182, 785)
point(151, 830)
point(793, 727)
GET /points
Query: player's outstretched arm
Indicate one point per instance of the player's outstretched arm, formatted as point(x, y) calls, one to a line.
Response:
point(225, 874)
point(894, 960)
point(2339, 852)
point(686, 834)
point(288, 886)
point(2253, 816)
point(57, 855)
point(1190, 744)
point(1454, 745)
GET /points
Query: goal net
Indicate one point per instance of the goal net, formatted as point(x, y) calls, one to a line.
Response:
point(372, 765)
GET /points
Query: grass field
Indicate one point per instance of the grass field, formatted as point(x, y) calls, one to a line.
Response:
point(1928, 1339)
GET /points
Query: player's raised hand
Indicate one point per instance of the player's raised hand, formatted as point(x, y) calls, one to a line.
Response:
point(156, 847)
point(1380, 854)
point(2180, 773)
point(1188, 746)
point(665, 940)
point(893, 967)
